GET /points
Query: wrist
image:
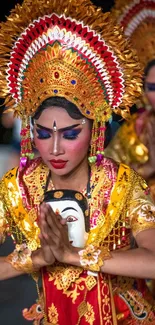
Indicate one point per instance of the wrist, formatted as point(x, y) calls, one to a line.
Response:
point(92, 258)
point(38, 259)
point(72, 257)
point(21, 259)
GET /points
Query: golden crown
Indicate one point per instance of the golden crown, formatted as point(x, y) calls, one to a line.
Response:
point(63, 73)
point(66, 49)
point(138, 21)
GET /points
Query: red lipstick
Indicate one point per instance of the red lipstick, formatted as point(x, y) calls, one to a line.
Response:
point(58, 163)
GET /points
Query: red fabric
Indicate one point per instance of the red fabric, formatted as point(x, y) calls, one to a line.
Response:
point(68, 310)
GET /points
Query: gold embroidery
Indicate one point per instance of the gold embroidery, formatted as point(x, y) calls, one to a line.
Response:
point(63, 276)
point(3, 220)
point(82, 308)
point(24, 219)
point(90, 282)
point(137, 303)
point(21, 259)
point(32, 215)
point(121, 193)
point(79, 285)
point(34, 180)
point(89, 315)
point(92, 258)
point(142, 211)
point(106, 303)
point(121, 284)
point(53, 315)
point(74, 293)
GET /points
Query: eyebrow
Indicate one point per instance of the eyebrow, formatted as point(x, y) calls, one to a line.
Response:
point(69, 208)
point(61, 129)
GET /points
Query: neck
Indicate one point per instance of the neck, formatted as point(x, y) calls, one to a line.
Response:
point(76, 180)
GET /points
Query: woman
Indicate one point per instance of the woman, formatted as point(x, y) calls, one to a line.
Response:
point(133, 144)
point(68, 72)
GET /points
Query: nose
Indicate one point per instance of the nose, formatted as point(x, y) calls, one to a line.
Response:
point(56, 145)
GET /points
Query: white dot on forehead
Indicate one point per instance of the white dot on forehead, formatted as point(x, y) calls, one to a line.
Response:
point(54, 126)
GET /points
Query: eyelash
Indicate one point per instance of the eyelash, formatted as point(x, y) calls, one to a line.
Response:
point(42, 134)
point(71, 135)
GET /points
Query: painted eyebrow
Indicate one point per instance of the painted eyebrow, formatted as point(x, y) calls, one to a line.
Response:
point(61, 130)
point(69, 208)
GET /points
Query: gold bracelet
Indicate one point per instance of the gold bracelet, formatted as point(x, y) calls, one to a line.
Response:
point(21, 259)
point(92, 257)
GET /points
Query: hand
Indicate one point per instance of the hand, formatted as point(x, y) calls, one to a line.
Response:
point(54, 234)
point(43, 256)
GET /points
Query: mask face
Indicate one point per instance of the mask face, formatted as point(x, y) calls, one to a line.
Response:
point(72, 212)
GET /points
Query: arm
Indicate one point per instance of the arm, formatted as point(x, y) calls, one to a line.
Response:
point(39, 258)
point(137, 263)
point(7, 271)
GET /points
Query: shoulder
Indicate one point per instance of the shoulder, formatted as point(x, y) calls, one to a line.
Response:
point(110, 167)
point(122, 173)
point(114, 168)
point(16, 173)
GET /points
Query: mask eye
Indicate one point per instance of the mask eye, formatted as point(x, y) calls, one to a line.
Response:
point(71, 219)
point(38, 309)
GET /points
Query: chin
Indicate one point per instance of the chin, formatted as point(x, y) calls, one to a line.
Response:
point(60, 172)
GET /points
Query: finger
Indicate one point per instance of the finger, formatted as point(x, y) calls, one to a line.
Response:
point(46, 251)
point(44, 228)
point(50, 233)
point(63, 222)
point(53, 219)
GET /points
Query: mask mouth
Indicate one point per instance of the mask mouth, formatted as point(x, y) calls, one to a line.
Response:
point(150, 86)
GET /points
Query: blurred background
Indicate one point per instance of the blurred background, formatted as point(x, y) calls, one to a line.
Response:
point(9, 127)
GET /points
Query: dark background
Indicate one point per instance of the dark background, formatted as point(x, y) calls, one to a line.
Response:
point(6, 134)
point(9, 4)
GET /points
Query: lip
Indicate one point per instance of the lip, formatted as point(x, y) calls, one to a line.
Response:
point(58, 164)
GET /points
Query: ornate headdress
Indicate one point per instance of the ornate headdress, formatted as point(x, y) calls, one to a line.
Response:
point(66, 48)
point(138, 20)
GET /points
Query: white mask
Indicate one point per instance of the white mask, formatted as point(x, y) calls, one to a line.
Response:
point(74, 216)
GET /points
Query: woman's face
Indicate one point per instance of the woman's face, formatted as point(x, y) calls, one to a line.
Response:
point(62, 141)
point(150, 87)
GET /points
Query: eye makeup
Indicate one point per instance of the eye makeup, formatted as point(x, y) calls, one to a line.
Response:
point(43, 134)
point(68, 133)
point(71, 134)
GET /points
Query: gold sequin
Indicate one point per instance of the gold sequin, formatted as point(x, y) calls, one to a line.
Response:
point(58, 194)
point(78, 196)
